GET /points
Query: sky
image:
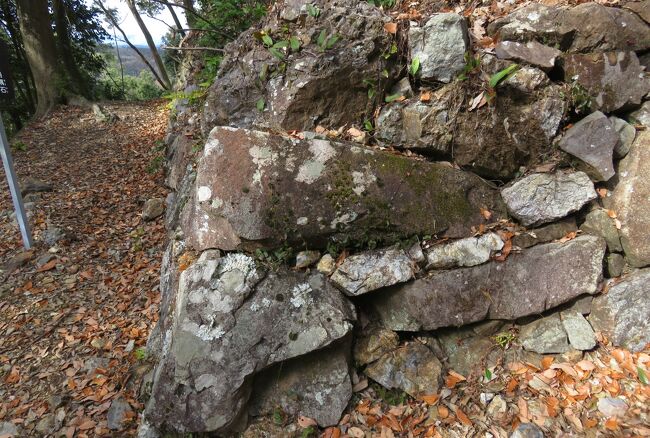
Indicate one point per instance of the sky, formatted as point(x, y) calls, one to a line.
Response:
point(131, 28)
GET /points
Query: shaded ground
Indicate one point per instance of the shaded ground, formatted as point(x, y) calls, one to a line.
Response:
point(73, 317)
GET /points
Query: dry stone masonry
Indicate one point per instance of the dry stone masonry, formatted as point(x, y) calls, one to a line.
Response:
point(338, 214)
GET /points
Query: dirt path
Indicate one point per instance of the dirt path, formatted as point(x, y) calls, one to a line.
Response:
point(73, 316)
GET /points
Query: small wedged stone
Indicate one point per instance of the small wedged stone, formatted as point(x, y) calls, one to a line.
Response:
point(256, 189)
point(613, 80)
point(231, 320)
point(529, 283)
point(305, 259)
point(368, 271)
point(471, 251)
point(615, 265)
point(413, 368)
point(544, 197)
point(631, 201)
point(316, 385)
point(440, 46)
point(581, 335)
point(599, 223)
point(623, 314)
point(544, 336)
point(373, 345)
point(546, 233)
point(626, 134)
point(532, 53)
point(592, 140)
point(467, 352)
point(641, 116)
point(153, 208)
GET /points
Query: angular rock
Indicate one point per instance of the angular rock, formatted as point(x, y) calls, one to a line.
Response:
point(615, 265)
point(32, 185)
point(412, 368)
point(368, 271)
point(630, 201)
point(402, 88)
point(497, 407)
point(526, 80)
point(308, 385)
point(613, 80)
point(104, 115)
point(302, 90)
point(529, 283)
point(231, 320)
point(532, 53)
point(544, 336)
point(581, 335)
point(626, 135)
point(471, 251)
point(305, 259)
point(251, 190)
point(599, 223)
point(466, 352)
point(8, 429)
point(373, 345)
point(326, 265)
point(440, 46)
point(623, 313)
point(179, 155)
point(153, 208)
point(589, 27)
point(545, 234)
point(641, 8)
point(544, 197)
point(592, 140)
point(642, 115)
point(581, 305)
point(117, 414)
point(527, 430)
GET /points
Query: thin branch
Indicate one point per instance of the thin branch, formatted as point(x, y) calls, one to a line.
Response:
point(210, 49)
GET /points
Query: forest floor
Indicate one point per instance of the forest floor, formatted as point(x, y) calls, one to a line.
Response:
point(75, 314)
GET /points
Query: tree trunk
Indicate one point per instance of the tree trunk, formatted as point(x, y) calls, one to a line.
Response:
point(150, 43)
point(40, 51)
point(189, 8)
point(177, 22)
point(77, 82)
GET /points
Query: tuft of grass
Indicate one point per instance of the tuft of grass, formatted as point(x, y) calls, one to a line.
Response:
point(504, 339)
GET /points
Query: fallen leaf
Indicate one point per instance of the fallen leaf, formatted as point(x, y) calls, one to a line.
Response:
point(487, 214)
point(48, 266)
point(305, 422)
point(390, 28)
point(356, 432)
point(425, 96)
point(463, 417)
point(430, 399)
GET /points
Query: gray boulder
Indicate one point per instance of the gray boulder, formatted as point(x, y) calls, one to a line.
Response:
point(544, 336)
point(624, 312)
point(532, 53)
point(368, 271)
point(258, 189)
point(626, 134)
point(630, 200)
point(153, 208)
point(116, 415)
point(413, 368)
point(316, 385)
point(613, 80)
point(440, 46)
point(592, 140)
point(231, 320)
point(544, 197)
point(471, 251)
point(529, 283)
point(589, 27)
point(599, 223)
point(581, 335)
point(33, 185)
point(303, 89)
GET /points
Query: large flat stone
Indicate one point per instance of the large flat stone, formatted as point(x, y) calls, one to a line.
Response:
point(529, 283)
point(231, 320)
point(440, 46)
point(592, 140)
point(545, 197)
point(258, 189)
point(613, 80)
point(631, 201)
point(531, 52)
point(623, 313)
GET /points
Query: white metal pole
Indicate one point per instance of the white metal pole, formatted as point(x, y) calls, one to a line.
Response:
point(14, 188)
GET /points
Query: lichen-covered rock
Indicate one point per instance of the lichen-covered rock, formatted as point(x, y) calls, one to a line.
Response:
point(471, 251)
point(544, 197)
point(613, 80)
point(581, 335)
point(529, 283)
point(316, 385)
point(315, 84)
point(544, 336)
point(305, 259)
point(592, 140)
point(599, 223)
point(440, 46)
point(364, 272)
point(259, 189)
point(532, 53)
point(231, 320)
point(631, 201)
point(623, 313)
point(413, 368)
point(588, 27)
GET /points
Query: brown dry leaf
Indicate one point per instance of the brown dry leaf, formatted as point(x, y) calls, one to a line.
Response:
point(586, 365)
point(602, 192)
point(463, 417)
point(87, 424)
point(305, 422)
point(13, 376)
point(430, 399)
point(453, 379)
point(567, 368)
point(547, 361)
point(354, 132)
point(618, 224)
point(48, 266)
point(356, 432)
point(443, 411)
point(612, 214)
point(568, 236)
point(391, 28)
point(487, 214)
point(505, 251)
point(425, 96)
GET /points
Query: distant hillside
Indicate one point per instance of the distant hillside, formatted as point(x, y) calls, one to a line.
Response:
point(130, 59)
